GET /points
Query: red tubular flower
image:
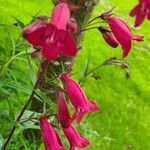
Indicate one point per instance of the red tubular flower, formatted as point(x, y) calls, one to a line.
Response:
point(63, 112)
point(50, 136)
point(108, 37)
point(53, 38)
point(141, 11)
point(75, 139)
point(78, 98)
point(123, 34)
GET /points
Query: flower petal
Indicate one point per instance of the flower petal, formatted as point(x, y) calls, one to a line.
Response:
point(50, 51)
point(139, 19)
point(36, 37)
point(148, 14)
point(72, 25)
point(135, 10)
point(75, 139)
point(93, 106)
point(126, 48)
point(138, 38)
point(60, 16)
point(37, 24)
point(63, 112)
point(66, 43)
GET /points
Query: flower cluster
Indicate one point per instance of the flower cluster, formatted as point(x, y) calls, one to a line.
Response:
point(82, 106)
point(141, 11)
point(53, 37)
point(50, 39)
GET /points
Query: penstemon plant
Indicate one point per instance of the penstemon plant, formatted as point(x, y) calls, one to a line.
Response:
point(57, 39)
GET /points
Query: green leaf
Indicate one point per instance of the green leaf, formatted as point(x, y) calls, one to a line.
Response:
point(32, 72)
point(2, 50)
point(1, 141)
point(26, 122)
point(86, 67)
point(20, 23)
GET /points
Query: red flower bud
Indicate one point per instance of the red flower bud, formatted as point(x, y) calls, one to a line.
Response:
point(108, 37)
point(50, 136)
point(63, 112)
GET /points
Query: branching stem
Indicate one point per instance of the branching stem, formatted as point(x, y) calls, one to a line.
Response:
point(39, 79)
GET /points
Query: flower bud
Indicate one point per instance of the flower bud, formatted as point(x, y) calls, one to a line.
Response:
point(63, 112)
point(108, 37)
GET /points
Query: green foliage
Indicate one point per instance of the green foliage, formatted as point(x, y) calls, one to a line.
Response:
point(123, 121)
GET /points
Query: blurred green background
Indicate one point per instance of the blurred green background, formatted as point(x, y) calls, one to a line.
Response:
point(123, 123)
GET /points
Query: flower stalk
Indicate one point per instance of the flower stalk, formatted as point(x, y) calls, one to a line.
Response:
point(39, 79)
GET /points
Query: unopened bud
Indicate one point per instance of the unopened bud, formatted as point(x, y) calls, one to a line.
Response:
point(108, 37)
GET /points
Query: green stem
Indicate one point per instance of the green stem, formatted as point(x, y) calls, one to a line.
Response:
point(89, 29)
point(88, 73)
point(93, 19)
point(39, 79)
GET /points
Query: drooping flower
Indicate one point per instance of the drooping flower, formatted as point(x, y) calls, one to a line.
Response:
point(50, 136)
point(78, 99)
point(52, 37)
point(63, 112)
point(74, 138)
point(141, 11)
point(123, 34)
point(108, 37)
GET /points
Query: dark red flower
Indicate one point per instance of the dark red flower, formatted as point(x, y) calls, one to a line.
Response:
point(50, 136)
point(53, 38)
point(78, 98)
point(108, 37)
point(123, 34)
point(141, 11)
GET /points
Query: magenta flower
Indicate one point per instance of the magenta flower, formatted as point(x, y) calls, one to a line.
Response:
point(141, 11)
point(74, 138)
point(53, 38)
point(123, 34)
point(78, 99)
point(108, 37)
point(63, 112)
point(50, 136)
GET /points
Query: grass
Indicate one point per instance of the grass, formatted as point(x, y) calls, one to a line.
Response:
point(123, 121)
